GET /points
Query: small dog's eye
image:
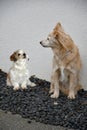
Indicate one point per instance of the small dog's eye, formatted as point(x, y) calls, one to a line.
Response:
point(18, 54)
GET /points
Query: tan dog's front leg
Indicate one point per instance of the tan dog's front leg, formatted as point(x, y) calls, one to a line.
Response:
point(73, 83)
point(52, 85)
point(55, 85)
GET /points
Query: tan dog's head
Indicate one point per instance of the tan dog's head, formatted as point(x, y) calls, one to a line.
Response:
point(17, 55)
point(57, 38)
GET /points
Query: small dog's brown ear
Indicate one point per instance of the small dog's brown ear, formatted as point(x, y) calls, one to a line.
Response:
point(12, 57)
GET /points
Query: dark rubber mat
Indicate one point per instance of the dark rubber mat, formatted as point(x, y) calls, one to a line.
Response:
point(35, 104)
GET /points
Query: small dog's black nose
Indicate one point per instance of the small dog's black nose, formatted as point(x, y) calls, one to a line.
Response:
point(24, 55)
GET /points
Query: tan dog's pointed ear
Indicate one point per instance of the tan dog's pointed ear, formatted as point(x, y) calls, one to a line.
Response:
point(58, 27)
point(65, 40)
point(13, 57)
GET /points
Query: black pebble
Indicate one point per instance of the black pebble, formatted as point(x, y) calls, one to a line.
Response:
point(29, 121)
point(35, 104)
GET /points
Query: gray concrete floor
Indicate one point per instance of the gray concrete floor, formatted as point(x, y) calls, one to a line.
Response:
point(16, 122)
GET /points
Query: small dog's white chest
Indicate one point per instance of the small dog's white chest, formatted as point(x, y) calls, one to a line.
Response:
point(62, 75)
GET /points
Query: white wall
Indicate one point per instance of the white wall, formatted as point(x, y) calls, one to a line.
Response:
point(23, 23)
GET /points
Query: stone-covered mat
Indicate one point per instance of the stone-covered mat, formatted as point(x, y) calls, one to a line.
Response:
point(36, 104)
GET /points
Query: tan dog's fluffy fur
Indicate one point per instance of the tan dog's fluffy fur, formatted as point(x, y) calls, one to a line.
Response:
point(66, 63)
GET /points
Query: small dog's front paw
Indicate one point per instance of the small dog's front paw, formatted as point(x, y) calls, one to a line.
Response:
point(24, 87)
point(55, 95)
point(16, 88)
point(71, 95)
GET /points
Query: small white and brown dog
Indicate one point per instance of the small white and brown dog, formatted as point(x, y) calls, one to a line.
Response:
point(18, 75)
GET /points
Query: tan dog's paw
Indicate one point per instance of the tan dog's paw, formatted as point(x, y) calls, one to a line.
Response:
point(55, 95)
point(71, 95)
point(16, 88)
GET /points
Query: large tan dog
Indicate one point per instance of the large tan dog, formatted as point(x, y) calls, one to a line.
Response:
point(66, 63)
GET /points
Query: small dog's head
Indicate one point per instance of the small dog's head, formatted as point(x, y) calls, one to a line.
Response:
point(18, 55)
point(57, 38)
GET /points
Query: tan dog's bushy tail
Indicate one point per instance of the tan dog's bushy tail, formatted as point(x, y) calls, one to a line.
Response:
point(66, 90)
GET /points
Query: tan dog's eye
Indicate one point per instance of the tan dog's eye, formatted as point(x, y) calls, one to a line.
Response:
point(48, 38)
